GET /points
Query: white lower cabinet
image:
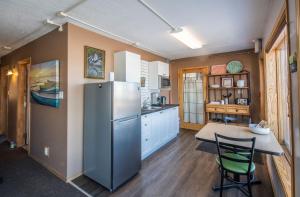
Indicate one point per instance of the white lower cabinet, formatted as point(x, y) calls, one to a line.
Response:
point(146, 134)
point(158, 128)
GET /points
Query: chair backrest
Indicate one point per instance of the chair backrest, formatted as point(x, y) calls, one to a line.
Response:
point(228, 144)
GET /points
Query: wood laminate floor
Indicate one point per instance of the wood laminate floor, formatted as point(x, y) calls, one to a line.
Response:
point(178, 169)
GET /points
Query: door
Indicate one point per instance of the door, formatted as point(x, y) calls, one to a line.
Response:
point(3, 100)
point(146, 135)
point(17, 103)
point(126, 149)
point(192, 96)
point(126, 100)
point(164, 126)
point(156, 129)
point(174, 121)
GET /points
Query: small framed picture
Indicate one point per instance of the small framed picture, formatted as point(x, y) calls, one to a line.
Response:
point(143, 81)
point(94, 63)
point(242, 101)
point(227, 82)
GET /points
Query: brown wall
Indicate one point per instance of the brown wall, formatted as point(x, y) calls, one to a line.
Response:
point(48, 124)
point(248, 59)
point(77, 39)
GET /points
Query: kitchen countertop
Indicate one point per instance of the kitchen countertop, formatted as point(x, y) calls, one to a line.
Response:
point(168, 106)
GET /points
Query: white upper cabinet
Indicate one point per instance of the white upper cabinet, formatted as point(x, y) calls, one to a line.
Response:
point(163, 68)
point(127, 66)
point(157, 68)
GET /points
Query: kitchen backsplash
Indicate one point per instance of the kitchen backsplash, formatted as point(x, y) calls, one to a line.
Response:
point(145, 92)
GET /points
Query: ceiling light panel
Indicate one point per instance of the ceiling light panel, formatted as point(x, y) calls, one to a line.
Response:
point(184, 36)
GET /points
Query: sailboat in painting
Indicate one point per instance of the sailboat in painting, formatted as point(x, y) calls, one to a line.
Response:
point(44, 87)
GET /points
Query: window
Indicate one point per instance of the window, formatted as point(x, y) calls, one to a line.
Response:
point(278, 93)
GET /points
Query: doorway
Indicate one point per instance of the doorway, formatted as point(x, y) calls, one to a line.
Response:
point(192, 97)
point(15, 103)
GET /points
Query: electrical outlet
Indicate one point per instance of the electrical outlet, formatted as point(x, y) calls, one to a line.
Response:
point(47, 151)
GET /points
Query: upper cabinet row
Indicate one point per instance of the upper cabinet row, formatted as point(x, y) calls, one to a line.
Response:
point(127, 67)
point(157, 70)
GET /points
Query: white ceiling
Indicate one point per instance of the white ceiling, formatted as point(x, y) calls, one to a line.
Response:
point(222, 25)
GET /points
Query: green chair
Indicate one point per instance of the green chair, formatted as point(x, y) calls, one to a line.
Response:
point(235, 160)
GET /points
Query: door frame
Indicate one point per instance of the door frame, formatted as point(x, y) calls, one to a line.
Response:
point(26, 63)
point(204, 70)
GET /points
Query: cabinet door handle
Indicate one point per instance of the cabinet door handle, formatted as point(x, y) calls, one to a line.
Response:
point(146, 139)
point(145, 125)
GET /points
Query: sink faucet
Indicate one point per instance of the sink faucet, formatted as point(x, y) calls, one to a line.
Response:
point(146, 102)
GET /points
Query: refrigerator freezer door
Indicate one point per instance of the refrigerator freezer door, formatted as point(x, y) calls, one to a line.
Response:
point(126, 149)
point(126, 100)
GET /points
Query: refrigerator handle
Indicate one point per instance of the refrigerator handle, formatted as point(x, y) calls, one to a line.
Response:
point(128, 118)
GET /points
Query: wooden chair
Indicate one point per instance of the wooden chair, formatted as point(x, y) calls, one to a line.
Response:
point(236, 160)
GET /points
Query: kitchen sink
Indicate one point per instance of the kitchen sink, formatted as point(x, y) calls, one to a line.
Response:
point(152, 108)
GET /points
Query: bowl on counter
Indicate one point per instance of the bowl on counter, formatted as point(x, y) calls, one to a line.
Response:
point(215, 86)
point(257, 130)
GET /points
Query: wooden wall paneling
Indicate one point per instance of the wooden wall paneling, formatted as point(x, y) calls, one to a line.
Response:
point(271, 92)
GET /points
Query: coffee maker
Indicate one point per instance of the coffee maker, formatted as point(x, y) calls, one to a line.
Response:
point(155, 98)
point(162, 100)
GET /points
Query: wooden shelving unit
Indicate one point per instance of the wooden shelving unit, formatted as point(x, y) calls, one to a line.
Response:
point(215, 94)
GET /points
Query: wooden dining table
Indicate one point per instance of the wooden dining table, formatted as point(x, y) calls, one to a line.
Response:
point(266, 144)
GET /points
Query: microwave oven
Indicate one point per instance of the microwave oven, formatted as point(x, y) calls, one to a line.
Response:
point(164, 82)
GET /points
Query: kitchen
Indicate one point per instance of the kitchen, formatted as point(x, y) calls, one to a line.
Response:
point(148, 126)
point(137, 102)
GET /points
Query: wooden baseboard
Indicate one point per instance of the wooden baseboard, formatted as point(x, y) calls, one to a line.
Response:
point(52, 170)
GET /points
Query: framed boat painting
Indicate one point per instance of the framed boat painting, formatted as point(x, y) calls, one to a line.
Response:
point(94, 63)
point(44, 83)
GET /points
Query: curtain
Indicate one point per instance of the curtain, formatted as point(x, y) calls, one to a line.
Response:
point(193, 98)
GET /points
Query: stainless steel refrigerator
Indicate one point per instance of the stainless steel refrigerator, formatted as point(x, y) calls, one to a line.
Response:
point(112, 132)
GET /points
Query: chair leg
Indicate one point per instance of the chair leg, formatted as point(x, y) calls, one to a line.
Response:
point(249, 185)
point(222, 182)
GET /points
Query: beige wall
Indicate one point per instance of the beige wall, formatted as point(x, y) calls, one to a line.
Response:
point(77, 39)
point(48, 124)
point(248, 59)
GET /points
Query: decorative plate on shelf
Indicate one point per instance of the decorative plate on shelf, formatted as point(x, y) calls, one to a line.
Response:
point(234, 67)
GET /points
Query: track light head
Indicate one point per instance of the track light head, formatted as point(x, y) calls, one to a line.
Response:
point(50, 22)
